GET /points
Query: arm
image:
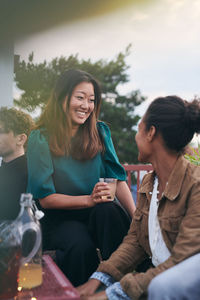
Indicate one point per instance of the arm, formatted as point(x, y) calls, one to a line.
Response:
point(125, 197)
point(114, 169)
point(187, 244)
point(61, 201)
point(127, 256)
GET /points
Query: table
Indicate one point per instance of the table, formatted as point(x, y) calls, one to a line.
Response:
point(55, 285)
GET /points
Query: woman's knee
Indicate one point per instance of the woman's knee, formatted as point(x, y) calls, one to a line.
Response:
point(71, 234)
point(83, 247)
point(109, 210)
point(102, 208)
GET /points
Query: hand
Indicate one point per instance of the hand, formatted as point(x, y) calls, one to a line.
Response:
point(89, 287)
point(101, 192)
point(97, 296)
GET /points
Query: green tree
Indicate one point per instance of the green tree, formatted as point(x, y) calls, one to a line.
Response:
point(122, 122)
point(36, 80)
point(194, 156)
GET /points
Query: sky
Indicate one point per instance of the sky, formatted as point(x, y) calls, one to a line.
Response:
point(165, 52)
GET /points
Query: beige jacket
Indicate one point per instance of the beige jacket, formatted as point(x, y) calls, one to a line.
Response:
point(179, 218)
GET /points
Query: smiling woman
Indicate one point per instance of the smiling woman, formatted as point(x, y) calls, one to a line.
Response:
point(81, 104)
point(67, 154)
point(75, 101)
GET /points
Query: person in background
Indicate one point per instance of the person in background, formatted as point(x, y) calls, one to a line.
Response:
point(15, 127)
point(166, 223)
point(181, 282)
point(67, 154)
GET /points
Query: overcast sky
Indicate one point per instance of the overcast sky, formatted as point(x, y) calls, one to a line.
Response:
point(165, 38)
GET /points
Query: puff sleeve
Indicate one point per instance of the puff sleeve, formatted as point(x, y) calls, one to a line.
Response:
point(113, 168)
point(40, 166)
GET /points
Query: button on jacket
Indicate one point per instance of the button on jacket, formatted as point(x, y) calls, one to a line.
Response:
point(179, 218)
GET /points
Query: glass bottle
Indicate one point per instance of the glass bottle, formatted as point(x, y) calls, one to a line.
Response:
point(30, 272)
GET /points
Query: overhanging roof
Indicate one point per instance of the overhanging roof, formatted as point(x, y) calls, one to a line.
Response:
point(23, 17)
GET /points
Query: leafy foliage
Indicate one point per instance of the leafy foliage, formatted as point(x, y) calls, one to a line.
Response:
point(122, 122)
point(195, 156)
point(38, 79)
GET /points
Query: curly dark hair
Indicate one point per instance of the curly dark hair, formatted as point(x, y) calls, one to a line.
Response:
point(16, 121)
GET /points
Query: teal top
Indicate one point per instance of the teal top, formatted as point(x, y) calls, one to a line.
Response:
point(49, 174)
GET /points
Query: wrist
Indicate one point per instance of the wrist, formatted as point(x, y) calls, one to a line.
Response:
point(89, 202)
point(95, 283)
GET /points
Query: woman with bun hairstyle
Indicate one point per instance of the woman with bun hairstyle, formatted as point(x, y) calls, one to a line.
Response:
point(166, 223)
point(67, 154)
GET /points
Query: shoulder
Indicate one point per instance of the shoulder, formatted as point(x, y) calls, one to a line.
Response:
point(193, 172)
point(185, 171)
point(21, 160)
point(38, 135)
point(21, 165)
point(38, 141)
point(149, 176)
point(103, 129)
point(147, 182)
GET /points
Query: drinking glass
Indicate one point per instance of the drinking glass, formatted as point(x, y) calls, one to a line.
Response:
point(112, 183)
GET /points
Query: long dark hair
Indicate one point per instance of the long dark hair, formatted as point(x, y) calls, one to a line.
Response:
point(87, 142)
point(175, 119)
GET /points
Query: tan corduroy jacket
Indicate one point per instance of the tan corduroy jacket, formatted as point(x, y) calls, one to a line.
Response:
point(179, 218)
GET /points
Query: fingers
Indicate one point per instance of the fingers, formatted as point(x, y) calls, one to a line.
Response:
point(101, 192)
point(97, 296)
point(102, 199)
point(87, 289)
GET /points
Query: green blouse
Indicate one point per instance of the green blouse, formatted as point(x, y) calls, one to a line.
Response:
point(48, 174)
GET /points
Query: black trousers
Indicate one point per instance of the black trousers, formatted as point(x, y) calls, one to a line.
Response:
point(77, 233)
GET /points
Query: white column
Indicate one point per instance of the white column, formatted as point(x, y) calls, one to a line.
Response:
point(6, 72)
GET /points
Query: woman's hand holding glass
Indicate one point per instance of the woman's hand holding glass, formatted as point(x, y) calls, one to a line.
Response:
point(101, 193)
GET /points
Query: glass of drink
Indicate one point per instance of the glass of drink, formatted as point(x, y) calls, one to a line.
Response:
point(30, 275)
point(10, 254)
point(112, 183)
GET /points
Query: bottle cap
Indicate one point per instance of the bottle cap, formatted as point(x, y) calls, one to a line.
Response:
point(26, 200)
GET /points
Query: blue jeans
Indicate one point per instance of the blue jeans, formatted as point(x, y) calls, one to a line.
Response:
point(181, 282)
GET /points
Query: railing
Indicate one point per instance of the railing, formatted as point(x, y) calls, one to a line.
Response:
point(136, 168)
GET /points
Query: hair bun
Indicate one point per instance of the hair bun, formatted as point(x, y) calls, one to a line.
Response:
point(192, 115)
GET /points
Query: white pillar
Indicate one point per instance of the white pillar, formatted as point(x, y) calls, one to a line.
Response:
point(6, 72)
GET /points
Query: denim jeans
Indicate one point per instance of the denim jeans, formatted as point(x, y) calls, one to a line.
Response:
point(181, 282)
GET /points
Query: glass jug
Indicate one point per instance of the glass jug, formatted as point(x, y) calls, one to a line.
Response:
point(30, 272)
